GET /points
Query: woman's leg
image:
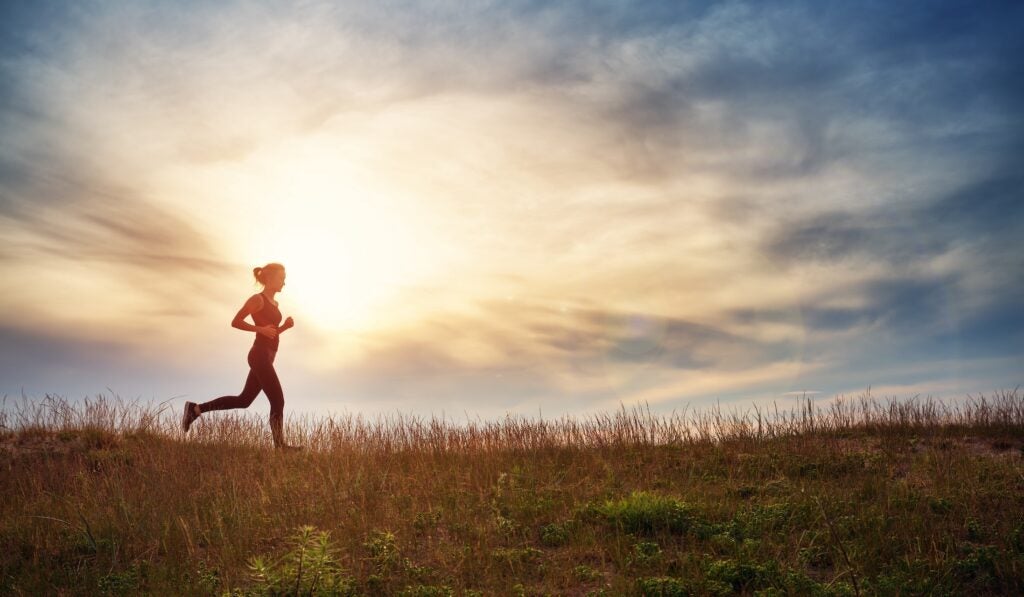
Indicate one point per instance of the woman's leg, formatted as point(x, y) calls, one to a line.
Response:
point(263, 366)
point(243, 400)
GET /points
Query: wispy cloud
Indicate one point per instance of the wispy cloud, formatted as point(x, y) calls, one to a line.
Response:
point(654, 201)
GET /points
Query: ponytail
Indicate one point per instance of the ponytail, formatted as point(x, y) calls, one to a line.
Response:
point(260, 273)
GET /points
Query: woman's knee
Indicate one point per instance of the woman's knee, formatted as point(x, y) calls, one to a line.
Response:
point(247, 399)
point(250, 391)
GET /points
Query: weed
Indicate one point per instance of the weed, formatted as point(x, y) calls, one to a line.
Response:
point(207, 579)
point(425, 521)
point(978, 564)
point(1017, 538)
point(125, 582)
point(741, 575)
point(646, 554)
point(518, 555)
point(554, 535)
point(585, 573)
point(816, 556)
point(506, 526)
point(746, 492)
point(643, 512)
point(973, 530)
point(426, 591)
point(384, 554)
point(940, 505)
point(309, 567)
point(664, 586)
point(761, 519)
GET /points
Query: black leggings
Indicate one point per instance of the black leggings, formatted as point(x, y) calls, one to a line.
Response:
point(261, 377)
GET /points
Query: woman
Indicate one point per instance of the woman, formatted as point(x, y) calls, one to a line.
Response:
point(262, 376)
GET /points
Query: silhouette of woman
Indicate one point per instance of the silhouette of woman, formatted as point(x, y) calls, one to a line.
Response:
point(267, 317)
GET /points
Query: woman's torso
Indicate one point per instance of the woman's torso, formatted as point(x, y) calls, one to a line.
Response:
point(268, 315)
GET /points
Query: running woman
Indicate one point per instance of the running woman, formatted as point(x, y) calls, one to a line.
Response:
point(267, 317)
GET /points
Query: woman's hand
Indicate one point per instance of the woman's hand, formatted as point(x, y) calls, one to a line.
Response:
point(288, 323)
point(267, 330)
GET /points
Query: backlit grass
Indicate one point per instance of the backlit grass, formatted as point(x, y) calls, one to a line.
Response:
point(862, 496)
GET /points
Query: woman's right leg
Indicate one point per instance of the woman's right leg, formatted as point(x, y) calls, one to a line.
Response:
point(262, 363)
point(243, 400)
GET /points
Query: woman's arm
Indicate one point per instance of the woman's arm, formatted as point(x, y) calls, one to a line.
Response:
point(254, 304)
point(287, 325)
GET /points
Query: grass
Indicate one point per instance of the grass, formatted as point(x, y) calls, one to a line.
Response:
point(848, 497)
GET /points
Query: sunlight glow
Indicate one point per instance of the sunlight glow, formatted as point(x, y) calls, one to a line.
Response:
point(348, 244)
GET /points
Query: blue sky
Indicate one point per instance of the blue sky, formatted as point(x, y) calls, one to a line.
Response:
point(514, 206)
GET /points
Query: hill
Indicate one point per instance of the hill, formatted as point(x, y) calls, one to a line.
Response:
point(860, 496)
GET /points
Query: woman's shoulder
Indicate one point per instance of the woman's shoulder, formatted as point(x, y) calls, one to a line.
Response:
point(260, 300)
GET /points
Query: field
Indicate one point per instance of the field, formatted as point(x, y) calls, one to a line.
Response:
point(861, 496)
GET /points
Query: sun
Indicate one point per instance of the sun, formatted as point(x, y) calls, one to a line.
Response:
point(343, 262)
point(349, 244)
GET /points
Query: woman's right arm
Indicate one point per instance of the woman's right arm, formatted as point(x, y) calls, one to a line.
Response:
point(254, 304)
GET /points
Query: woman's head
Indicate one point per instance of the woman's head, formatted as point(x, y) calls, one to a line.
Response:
point(271, 276)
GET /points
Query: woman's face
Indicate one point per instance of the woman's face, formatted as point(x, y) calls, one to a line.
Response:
point(275, 280)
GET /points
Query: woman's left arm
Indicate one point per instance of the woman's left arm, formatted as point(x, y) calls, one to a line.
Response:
point(288, 323)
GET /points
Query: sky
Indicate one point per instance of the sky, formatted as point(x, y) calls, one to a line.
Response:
point(527, 208)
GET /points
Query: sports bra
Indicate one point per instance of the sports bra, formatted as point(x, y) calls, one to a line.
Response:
point(268, 315)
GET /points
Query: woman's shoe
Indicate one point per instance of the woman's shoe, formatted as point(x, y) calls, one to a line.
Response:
point(189, 416)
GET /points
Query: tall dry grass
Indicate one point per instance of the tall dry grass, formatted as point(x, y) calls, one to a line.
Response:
point(632, 426)
point(849, 496)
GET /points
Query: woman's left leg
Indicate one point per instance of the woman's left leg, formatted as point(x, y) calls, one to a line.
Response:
point(242, 400)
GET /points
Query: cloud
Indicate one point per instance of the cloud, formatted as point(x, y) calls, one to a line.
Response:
point(56, 220)
point(675, 195)
point(511, 351)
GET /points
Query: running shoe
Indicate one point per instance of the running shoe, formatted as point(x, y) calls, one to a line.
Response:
point(189, 416)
